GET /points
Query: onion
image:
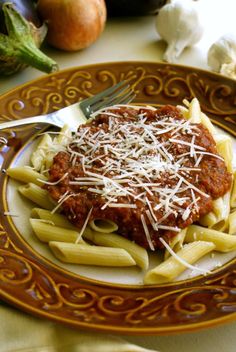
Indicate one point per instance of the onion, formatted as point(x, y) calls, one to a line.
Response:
point(73, 24)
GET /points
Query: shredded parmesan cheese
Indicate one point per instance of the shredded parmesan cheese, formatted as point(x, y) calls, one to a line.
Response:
point(84, 226)
point(9, 213)
point(147, 233)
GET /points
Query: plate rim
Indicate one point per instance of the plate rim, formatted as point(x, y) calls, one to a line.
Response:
point(127, 330)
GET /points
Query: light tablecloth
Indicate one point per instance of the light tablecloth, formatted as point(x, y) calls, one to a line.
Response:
point(24, 333)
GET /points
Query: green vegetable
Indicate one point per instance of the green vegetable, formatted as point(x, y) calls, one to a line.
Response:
point(19, 47)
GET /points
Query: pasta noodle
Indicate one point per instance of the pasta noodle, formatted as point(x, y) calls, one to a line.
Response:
point(104, 226)
point(40, 155)
point(194, 111)
point(97, 242)
point(223, 242)
point(64, 136)
point(218, 217)
point(26, 174)
point(47, 232)
point(208, 220)
point(55, 227)
point(233, 193)
point(138, 253)
point(171, 268)
point(37, 195)
point(208, 124)
point(232, 223)
point(176, 243)
point(224, 147)
point(54, 218)
point(91, 255)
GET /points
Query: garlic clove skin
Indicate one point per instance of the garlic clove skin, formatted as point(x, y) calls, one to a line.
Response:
point(221, 55)
point(178, 23)
point(229, 70)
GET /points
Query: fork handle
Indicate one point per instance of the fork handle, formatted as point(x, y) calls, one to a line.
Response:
point(26, 121)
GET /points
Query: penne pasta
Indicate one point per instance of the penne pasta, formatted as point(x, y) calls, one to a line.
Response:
point(172, 268)
point(223, 242)
point(233, 193)
point(176, 243)
point(224, 147)
point(40, 155)
point(64, 136)
point(47, 232)
point(42, 158)
point(138, 253)
point(194, 111)
point(218, 217)
point(197, 116)
point(184, 111)
point(232, 223)
point(208, 220)
point(91, 255)
point(26, 174)
point(222, 226)
point(208, 124)
point(54, 218)
point(104, 226)
point(37, 195)
point(221, 207)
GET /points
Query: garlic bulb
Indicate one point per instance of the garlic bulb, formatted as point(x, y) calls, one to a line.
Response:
point(178, 23)
point(222, 56)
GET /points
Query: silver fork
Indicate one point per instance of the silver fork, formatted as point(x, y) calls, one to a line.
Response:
point(78, 113)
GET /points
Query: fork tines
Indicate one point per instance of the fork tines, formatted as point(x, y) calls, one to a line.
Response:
point(120, 93)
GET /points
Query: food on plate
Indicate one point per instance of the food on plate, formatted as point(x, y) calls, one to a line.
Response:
point(73, 24)
point(148, 170)
point(20, 39)
point(136, 178)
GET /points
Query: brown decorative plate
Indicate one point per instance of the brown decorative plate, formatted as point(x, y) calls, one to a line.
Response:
point(37, 285)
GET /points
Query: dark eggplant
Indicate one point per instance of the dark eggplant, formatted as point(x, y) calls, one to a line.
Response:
point(133, 7)
point(21, 35)
point(25, 7)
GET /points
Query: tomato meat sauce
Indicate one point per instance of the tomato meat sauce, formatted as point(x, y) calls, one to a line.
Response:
point(149, 170)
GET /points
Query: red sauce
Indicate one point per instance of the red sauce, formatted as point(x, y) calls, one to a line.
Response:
point(169, 173)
